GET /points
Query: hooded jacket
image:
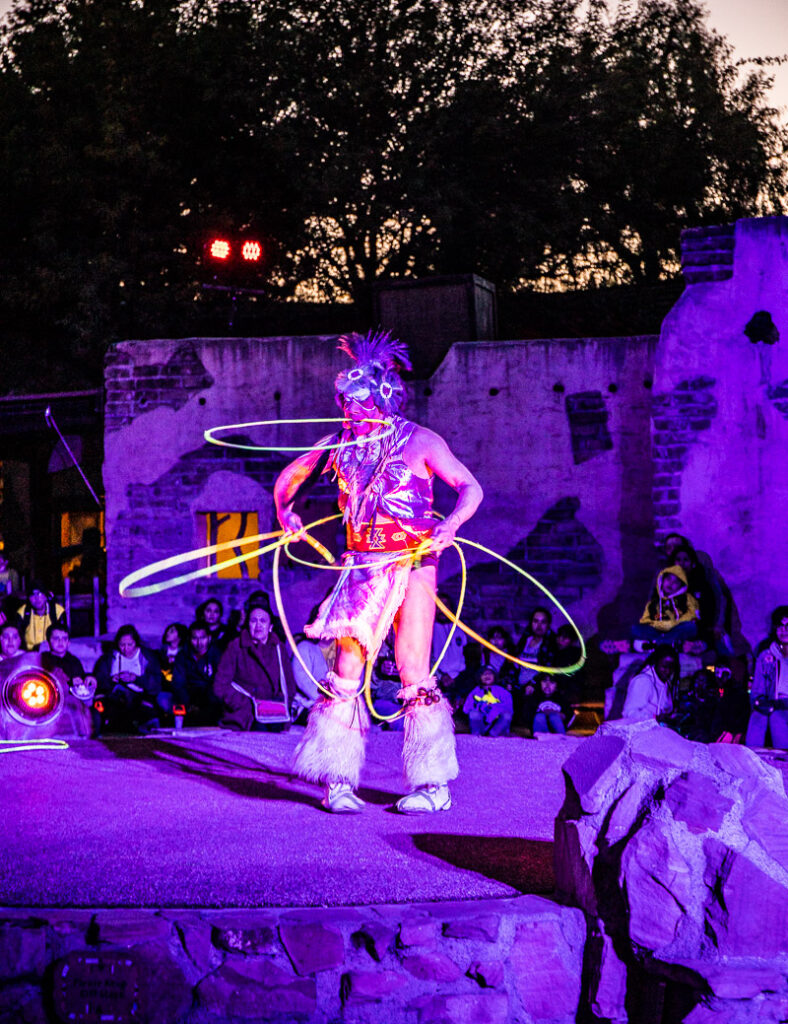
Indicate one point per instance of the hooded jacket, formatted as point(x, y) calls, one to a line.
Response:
point(663, 612)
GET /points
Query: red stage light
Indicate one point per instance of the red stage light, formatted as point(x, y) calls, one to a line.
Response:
point(251, 252)
point(219, 249)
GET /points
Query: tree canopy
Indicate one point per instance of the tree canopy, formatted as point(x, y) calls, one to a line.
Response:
point(543, 144)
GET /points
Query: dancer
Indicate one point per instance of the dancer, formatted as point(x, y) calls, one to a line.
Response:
point(385, 483)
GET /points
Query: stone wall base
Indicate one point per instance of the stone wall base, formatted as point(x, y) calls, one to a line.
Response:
point(484, 962)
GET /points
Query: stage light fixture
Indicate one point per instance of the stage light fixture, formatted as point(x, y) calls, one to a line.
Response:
point(32, 696)
point(219, 249)
point(251, 252)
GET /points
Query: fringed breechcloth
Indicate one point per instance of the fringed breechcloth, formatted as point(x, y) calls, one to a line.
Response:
point(363, 605)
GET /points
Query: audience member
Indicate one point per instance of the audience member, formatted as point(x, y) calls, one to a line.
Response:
point(505, 670)
point(10, 640)
point(319, 657)
point(211, 612)
point(701, 589)
point(174, 639)
point(453, 661)
point(193, 674)
point(650, 692)
point(733, 708)
point(38, 614)
point(58, 659)
point(9, 578)
point(671, 614)
point(568, 652)
point(469, 677)
point(129, 682)
point(260, 599)
point(488, 706)
point(769, 692)
point(254, 678)
point(386, 685)
point(547, 709)
point(537, 644)
point(695, 709)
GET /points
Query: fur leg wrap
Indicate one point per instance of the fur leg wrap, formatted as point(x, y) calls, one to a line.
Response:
point(332, 749)
point(428, 753)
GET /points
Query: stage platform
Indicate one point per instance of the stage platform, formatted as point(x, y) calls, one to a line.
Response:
point(212, 819)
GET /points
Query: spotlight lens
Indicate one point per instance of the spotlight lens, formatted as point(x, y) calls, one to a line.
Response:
point(251, 252)
point(220, 249)
point(31, 696)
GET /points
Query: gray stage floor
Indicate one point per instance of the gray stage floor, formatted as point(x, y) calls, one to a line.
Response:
point(215, 819)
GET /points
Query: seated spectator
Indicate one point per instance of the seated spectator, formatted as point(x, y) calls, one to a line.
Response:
point(9, 578)
point(254, 677)
point(211, 612)
point(769, 691)
point(505, 670)
point(260, 599)
point(568, 652)
point(10, 640)
point(469, 677)
point(695, 710)
point(386, 685)
point(193, 674)
point(671, 614)
point(58, 659)
point(537, 644)
point(319, 657)
point(38, 614)
point(173, 640)
point(546, 709)
point(733, 708)
point(650, 692)
point(701, 589)
point(488, 706)
point(453, 661)
point(129, 682)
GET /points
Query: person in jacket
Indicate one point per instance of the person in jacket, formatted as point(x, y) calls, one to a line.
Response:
point(650, 692)
point(488, 707)
point(671, 614)
point(129, 681)
point(254, 677)
point(192, 677)
point(37, 614)
point(769, 692)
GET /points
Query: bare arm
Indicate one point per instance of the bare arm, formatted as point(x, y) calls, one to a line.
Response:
point(287, 485)
point(427, 452)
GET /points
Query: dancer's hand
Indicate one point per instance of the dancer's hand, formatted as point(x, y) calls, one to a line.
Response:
point(443, 534)
point(291, 523)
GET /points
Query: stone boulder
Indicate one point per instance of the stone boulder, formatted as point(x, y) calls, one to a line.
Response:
point(678, 854)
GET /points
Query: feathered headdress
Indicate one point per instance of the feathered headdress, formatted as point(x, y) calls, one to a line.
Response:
point(379, 359)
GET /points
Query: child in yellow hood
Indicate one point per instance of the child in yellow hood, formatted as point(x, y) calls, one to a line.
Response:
point(672, 612)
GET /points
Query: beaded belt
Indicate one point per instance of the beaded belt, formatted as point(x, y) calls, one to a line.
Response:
point(384, 536)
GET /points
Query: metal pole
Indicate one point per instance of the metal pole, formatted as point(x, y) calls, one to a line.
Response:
point(51, 422)
point(96, 608)
point(67, 601)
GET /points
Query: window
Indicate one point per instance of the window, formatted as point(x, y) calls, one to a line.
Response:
point(221, 527)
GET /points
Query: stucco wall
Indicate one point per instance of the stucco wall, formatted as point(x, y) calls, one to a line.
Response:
point(721, 421)
point(557, 432)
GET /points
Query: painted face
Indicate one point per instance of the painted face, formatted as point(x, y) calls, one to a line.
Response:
point(10, 642)
point(127, 646)
point(58, 642)
point(200, 641)
point(259, 625)
point(357, 411)
point(540, 623)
